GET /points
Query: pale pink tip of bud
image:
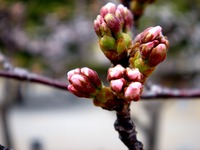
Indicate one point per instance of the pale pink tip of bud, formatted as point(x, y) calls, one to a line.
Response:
point(108, 8)
point(150, 34)
point(115, 72)
point(92, 76)
point(82, 84)
point(133, 91)
point(126, 14)
point(133, 74)
point(157, 55)
point(77, 93)
point(117, 85)
point(97, 27)
point(112, 22)
point(73, 72)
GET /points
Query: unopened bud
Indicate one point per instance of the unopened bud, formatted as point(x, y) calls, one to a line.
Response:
point(108, 8)
point(84, 82)
point(117, 85)
point(150, 49)
point(133, 91)
point(127, 18)
point(73, 90)
point(114, 25)
point(113, 28)
point(133, 74)
point(115, 72)
point(157, 55)
point(150, 34)
point(92, 76)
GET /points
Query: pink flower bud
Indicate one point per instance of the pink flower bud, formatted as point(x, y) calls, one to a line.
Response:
point(84, 82)
point(150, 34)
point(117, 85)
point(157, 55)
point(133, 91)
point(97, 24)
point(77, 93)
point(73, 72)
point(115, 72)
point(108, 8)
point(92, 76)
point(147, 47)
point(152, 46)
point(133, 74)
point(126, 15)
point(114, 24)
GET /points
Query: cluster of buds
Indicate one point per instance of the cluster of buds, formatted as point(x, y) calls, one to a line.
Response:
point(149, 49)
point(113, 28)
point(125, 82)
point(142, 55)
point(85, 82)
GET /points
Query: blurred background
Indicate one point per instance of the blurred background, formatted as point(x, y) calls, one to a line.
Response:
point(52, 37)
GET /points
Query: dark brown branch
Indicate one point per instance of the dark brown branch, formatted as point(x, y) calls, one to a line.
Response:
point(126, 129)
point(157, 92)
point(25, 76)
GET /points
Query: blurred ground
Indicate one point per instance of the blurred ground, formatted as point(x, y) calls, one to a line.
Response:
point(55, 119)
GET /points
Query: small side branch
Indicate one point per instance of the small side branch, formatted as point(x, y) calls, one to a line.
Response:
point(23, 75)
point(160, 92)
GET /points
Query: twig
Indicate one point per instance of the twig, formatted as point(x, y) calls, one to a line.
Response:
point(155, 92)
point(23, 75)
point(160, 92)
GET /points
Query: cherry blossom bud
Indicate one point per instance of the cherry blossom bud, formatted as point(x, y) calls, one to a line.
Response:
point(133, 74)
point(113, 28)
point(147, 48)
point(72, 72)
point(117, 85)
point(150, 34)
point(157, 55)
point(108, 8)
point(133, 91)
point(114, 24)
point(92, 75)
point(73, 90)
point(127, 17)
point(84, 82)
point(150, 49)
point(115, 72)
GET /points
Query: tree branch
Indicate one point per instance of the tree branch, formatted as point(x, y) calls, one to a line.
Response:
point(153, 91)
point(23, 75)
point(125, 126)
point(160, 92)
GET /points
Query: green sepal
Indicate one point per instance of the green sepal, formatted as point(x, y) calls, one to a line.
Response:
point(121, 46)
point(107, 43)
